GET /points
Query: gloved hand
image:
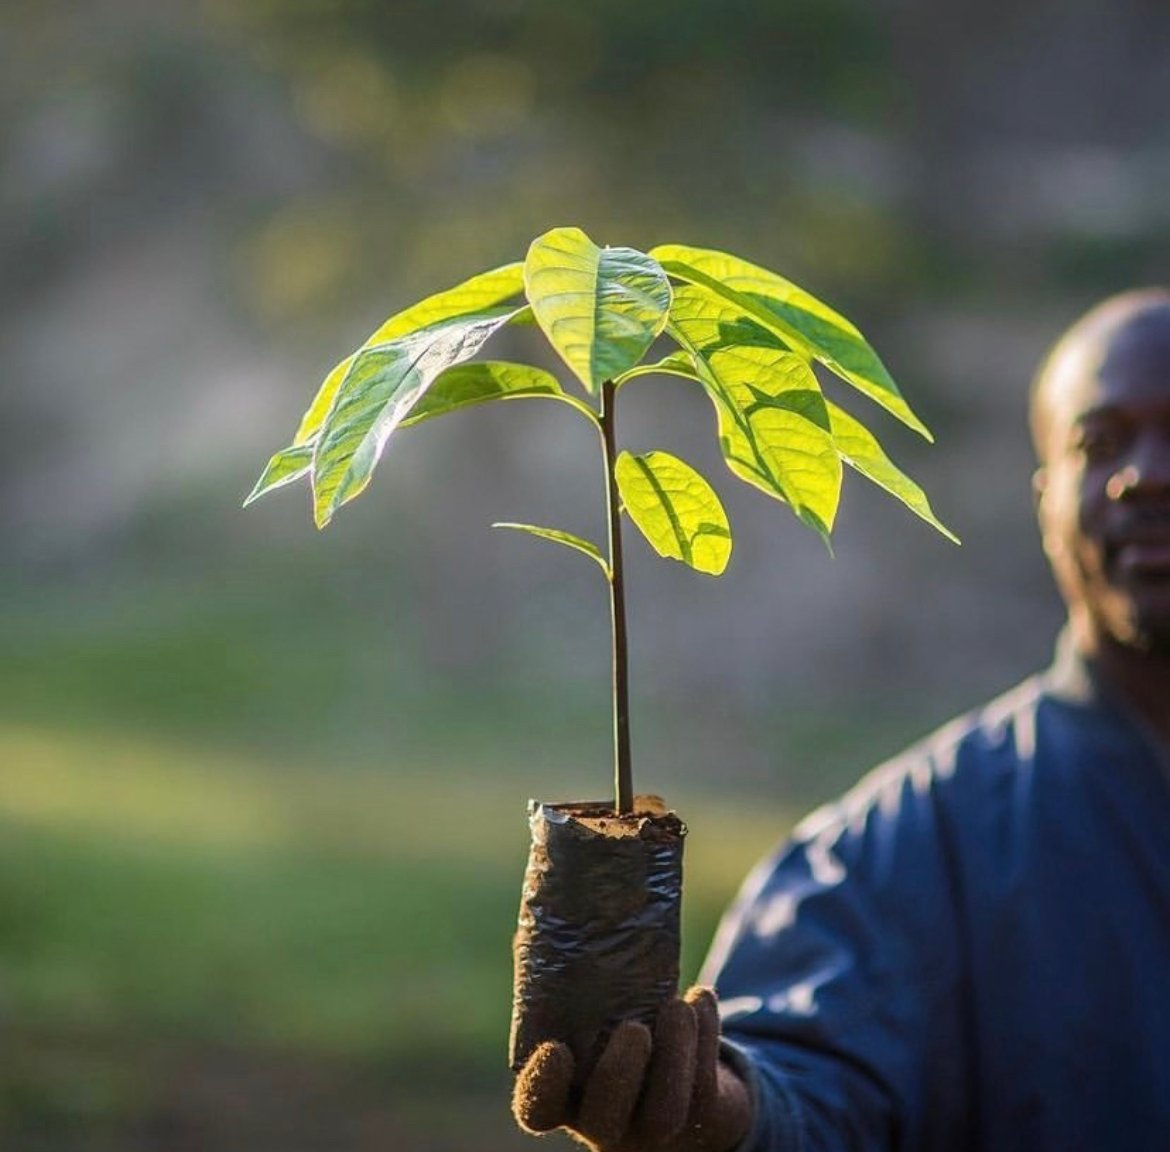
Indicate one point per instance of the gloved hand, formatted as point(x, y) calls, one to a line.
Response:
point(668, 1091)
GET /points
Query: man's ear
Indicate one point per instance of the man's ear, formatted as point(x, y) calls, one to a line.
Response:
point(1039, 485)
point(1050, 543)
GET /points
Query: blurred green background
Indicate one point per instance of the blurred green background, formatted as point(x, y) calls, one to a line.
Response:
point(262, 789)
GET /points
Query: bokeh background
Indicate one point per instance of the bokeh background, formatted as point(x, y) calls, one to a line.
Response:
point(262, 789)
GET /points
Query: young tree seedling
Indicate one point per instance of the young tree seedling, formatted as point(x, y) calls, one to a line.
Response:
point(747, 336)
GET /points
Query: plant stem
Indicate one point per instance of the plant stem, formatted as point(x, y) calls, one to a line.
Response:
point(623, 777)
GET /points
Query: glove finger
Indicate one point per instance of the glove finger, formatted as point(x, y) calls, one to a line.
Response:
point(540, 1098)
point(706, 1090)
point(670, 1079)
point(730, 1119)
point(614, 1085)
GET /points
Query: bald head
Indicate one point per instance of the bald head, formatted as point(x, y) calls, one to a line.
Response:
point(1101, 423)
point(1080, 354)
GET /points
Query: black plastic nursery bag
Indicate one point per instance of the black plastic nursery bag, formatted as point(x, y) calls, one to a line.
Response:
point(599, 927)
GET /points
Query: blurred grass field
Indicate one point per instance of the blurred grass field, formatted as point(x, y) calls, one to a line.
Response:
point(328, 949)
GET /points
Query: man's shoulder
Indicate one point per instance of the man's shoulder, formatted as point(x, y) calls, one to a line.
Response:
point(973, 754)
point(1000, 734)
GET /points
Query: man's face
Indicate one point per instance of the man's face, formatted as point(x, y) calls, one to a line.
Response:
point(1104, 483)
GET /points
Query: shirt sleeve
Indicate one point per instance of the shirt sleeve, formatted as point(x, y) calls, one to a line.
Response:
point(840, 978)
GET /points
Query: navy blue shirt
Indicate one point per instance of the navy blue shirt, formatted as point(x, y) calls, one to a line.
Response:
point(971, 950)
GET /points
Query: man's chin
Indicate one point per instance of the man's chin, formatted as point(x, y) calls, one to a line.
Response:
point(1147, 628)
point(1135, 612)
point(1153, 637)
point(1150, 607)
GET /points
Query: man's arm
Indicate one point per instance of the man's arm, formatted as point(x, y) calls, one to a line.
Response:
point(842, 976)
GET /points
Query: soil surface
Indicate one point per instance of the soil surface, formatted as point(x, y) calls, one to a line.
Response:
point(650, 820)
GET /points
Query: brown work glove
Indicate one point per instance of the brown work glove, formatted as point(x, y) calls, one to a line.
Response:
point(668, 1091)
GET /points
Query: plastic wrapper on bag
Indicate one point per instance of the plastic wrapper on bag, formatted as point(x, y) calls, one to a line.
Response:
point(599, 928)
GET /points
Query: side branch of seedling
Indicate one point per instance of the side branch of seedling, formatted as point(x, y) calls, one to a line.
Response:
point(622, 773)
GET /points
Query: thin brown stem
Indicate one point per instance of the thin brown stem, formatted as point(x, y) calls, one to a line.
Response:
point(623, 776)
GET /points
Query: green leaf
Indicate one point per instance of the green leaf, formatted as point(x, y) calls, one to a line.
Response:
point(676, 510)
point(457, 387)
point(559, 537)
point(487, 290)
point(382, 386)
point(312, 420)
point(861, 451)
point(773, 422)
point(468, 384)
point(287, 465)
point(676, 364)
point(600, 308)
point(806, 323)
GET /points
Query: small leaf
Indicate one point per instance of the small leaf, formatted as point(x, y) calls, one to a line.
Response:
point(466, 384)
point(806, 323)
point(676, 364)
point(287, 465)
point(773, 423)
point(382, 386)
point(676, 510)
point(861, 451)
point(487, 290)
point(600, 308)
point(559, 537)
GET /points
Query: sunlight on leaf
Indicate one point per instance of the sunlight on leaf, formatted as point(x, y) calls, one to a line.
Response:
point(465, 385)
point(559, 537)
point(312, 420)
point(287, 465)
point(487, 290)
point(676, 364)
point(748, 336)
point(381, 388)
point(600, 308)
point(773, 422)
point(676, 510)
point(806, 323)
point(861, 451)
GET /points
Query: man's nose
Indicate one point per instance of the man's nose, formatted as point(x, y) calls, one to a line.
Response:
point(1146, 471)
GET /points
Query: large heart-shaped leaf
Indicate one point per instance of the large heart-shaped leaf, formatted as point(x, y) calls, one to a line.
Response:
point(773, 422)
point(806, 323)
point(861, 451)
point(600, 308)
point(487, 290)
point(382, 386)
point(676, 510)
point(558, 537)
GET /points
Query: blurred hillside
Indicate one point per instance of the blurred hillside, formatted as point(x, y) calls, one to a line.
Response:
point(217, 728)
